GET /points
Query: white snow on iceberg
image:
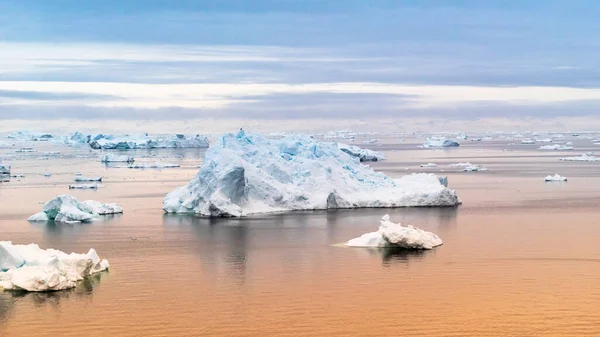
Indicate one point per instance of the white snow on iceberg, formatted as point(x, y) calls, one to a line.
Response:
point(66, 208)
point(556, 177)
point(394, 235)
point(248, 173)
point(360, 153)
point(30, 268)
point(440, 142)
point(115, 158)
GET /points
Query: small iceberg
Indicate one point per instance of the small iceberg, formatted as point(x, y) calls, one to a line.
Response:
point(67, 209)
point(84, 186)
point(557, 147)
point(394, 235)
point(583, 157)
point(440, 142)
point(556, 177)
point(362, 154)
point(4, 169)
point(30, 268)
point(468, 167)
point(114, 158)
point(528, 141)
point(429, 165)
point(81, 178)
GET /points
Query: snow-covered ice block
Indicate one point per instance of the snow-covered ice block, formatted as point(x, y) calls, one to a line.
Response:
point(30, 268)
point(360, 153)
point(115, 158)
point(66, 208)
point(556, 177)
point(248, 173)
point(394, 235)
point(440, 142)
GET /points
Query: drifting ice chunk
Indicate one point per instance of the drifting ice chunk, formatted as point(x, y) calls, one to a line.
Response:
point(555, 177)
point(429, 165)
point(247, 173)
point(392, 235)
point(360, 153)
point(528, 141)
point(84, 186)
point(67, 209)
point(4, 169)
point(468, 167)
point(30, 268)
point(440, 142)
point(113, 158)
point(79, 178)
point(156, 165)
point(558, 147)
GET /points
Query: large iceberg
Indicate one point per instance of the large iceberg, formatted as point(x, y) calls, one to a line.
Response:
point(440, 142)
point(360, 153)
point(66, 208)
point(394, 235)
point(248, 173)
point(30, 268)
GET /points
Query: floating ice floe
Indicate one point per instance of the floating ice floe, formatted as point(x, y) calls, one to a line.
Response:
point(583, 157)
point(468, 167)
point(114, 158)
point(247, 173)
point(84, 186)
point(371, 141)
point(429, 165)
point(81, 178)
point(30, 268)
point(66, 208)
point(557, 147)
point(440, 142)
point(24, 150)
point(360, 153)
point(556, 177)
point(156, 165)
point(29, 136)
point(528, 141)
point(20, 175)
point(394, 235)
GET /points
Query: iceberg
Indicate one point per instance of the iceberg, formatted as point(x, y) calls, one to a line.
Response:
point(394, 235)
point(583, 157)
point(468, 167)
point(4, 169)
point(556, 177)
point(79, 178)
point(558, 147)
point(66, 208)
point(84, 186)
point(528, 141)
point(440, 142)
point(360, 153)
point(429, 165)
point(148, 142)
point(113, 158)
point(30, 268)
point(247, 173)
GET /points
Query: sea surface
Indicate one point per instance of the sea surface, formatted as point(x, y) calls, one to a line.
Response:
point(520, 256)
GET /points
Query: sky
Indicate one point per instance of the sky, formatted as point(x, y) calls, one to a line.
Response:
point(153, 61)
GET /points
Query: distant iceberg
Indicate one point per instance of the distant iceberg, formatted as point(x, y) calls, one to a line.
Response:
point(4, 169)
point(30, 268)
point(468, 167)
point(360, 153)
point(115, 158)
point(528, 141)
point(157, 165)
point(84, 186)
point(429, 165)
point(30, 136)
point(141, 141)
point(66, 208)
point(392, 235)
point(583, 157)
point(557, 147)
point(440, 142)
point(80, 178)
point(247, 173)
point(556, 177)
